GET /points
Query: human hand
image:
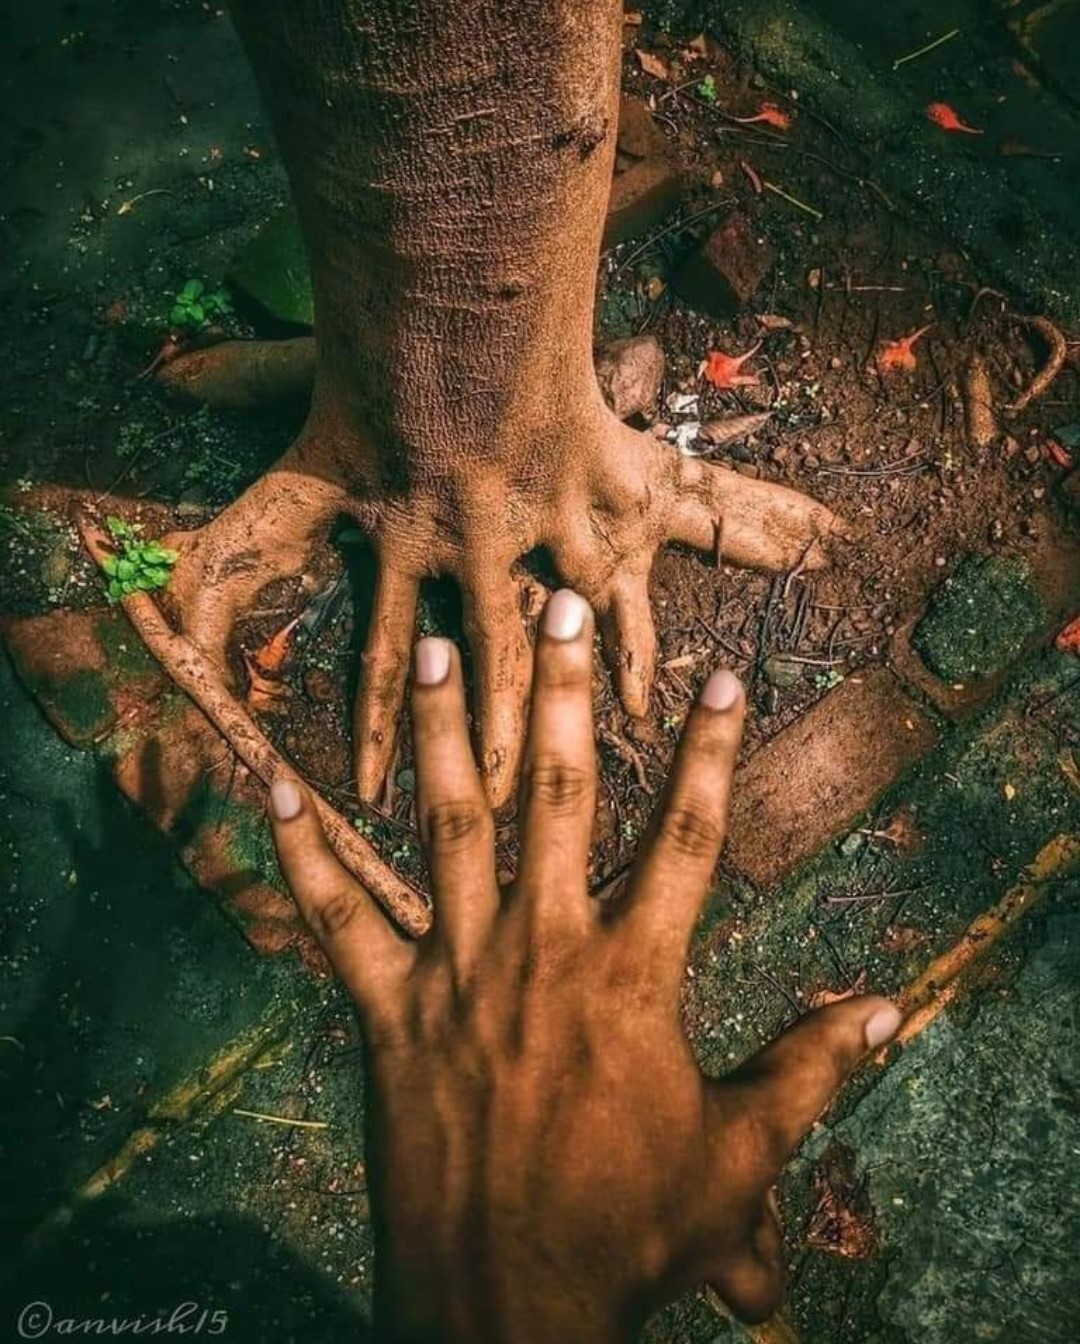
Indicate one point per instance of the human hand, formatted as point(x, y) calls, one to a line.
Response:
point(546, 1160)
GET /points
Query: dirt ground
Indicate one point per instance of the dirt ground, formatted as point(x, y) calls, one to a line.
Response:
point(139, 159)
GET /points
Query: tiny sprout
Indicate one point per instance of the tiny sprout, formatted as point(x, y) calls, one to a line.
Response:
point(137, 566)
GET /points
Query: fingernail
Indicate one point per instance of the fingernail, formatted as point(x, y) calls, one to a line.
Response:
point(285, 799)
point(564, 615)
point(882, 1025)
point(432, 660)
point(721, 690)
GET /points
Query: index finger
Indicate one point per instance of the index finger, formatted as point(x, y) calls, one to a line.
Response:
point(368, 954)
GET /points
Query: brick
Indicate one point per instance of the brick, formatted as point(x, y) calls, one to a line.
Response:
point(727, 270)
point(810, 782)
point(646, 184)
point(88, 671)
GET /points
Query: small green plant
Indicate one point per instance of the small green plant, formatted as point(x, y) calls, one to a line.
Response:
point(707, 89)
point(138, 566)
point(195, 306)
point(365, 826)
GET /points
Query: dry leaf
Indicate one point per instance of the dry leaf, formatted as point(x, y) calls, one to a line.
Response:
point(903, 938)
point(754, 176)
point(774, 322)
point(732, 428)
point(822, 997)
point(843, 1218)
point(652, 65)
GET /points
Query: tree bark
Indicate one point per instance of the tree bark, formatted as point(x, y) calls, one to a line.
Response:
point(451, 166)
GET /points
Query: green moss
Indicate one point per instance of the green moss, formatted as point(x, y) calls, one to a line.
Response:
point(82, 701)
point(979, 618)
point(127, 654)
point(273, 270)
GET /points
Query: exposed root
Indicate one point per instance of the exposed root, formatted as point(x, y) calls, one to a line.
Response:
point(607, 502)
point(199, 680)
point(249, 375)
point(1055, 362)
point(243, 375)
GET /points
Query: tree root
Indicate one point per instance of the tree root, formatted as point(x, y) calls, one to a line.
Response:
point(196, 676)
point(243, 375)
point(1055, 362)
point(254, 375)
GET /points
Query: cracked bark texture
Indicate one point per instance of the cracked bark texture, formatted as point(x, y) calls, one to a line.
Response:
point(451, 168)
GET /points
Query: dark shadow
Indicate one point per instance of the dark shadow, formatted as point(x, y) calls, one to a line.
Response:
point(105, 1267)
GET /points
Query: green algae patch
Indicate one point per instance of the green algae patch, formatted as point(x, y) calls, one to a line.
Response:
point(82, 703)
point(128, 656)
point(980, 618)
point(273, 270)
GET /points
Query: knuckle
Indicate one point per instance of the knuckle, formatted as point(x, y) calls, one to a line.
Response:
point(691, 829)
point(454, 823)
point(556, 784)
point(335, 912)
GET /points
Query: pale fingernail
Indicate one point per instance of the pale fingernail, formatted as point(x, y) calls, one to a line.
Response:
point(285, 799)
point(564, 615)
point(721, 690)
point(882, 1025)
point(432, 660)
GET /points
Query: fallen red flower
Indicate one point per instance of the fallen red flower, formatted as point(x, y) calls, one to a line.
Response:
point(724, 371)
point(941, 114)
point(1068, 640)
point(769, 113)
point(900, 354)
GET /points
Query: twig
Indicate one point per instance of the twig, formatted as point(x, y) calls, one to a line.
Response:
point(626, 752)
point(201, 682)
point(268, 1119)
point(930, 46)
point(1050, 370)
point(791, 200)
point(904, 466)
point(671, 228)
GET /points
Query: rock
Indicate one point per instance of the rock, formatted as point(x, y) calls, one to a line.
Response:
point(727, 270)
point(630, 373)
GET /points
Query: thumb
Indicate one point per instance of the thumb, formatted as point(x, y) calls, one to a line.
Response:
point(789, 1082)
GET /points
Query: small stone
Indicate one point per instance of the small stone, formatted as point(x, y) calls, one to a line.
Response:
point(782, 672)
point(630, 373)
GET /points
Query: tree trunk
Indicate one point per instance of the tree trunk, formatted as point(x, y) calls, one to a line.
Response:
point(451, 167)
